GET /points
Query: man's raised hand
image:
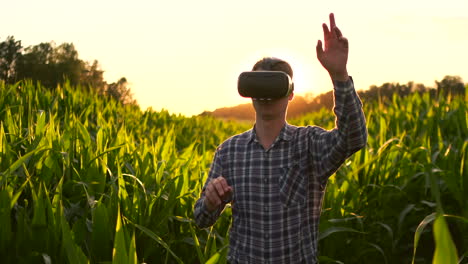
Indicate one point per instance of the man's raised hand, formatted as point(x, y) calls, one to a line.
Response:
point(335, 55)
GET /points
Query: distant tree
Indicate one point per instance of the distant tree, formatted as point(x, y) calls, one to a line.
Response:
point(67, 64)
point(92, 77)
point(301, 105)
point(51, 64)
point(387, 90)
point(298, 106)
point(10, 55)
point(324, 100)
point(120, 91)
point(417, 87)
point(38, 64)
point(452, 85)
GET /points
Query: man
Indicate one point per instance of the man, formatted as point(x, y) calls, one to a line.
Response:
point(275, 174)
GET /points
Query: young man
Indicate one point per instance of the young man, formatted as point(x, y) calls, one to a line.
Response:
point(275, 174)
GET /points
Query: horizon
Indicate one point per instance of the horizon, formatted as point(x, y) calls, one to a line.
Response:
point(185, 57)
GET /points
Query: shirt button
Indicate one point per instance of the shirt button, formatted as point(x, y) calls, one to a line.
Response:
point(267, 236)
point(265, 180)
point(265, 208)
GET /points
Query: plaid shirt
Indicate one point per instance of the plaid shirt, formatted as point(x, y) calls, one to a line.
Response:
point(278, 192)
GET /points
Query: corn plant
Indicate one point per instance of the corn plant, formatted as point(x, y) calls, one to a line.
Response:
point(84, 179)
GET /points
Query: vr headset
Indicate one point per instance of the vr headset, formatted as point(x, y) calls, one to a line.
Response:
point(264, 85)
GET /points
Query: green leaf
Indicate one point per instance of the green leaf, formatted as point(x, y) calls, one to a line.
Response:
point(214, 259)
point(104, 153)
point(13, 167)
point(17, 194)
point(56, 201)
point(84, 134)
point(132, 254)
point(3, 142)
point(326, 259)
point(403, 215)
point(445, 251)
point(74, 253)
point(40, 125)
point(201, 257)
point(380, 250)
point(101, 236)
point(218, 257)
point(5, 220)
point(119, 253)
point(428, 219)
point(39, 218)
point(156, 238)
point(336, 229)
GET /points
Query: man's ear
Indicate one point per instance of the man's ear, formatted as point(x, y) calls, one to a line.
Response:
point(291, 96)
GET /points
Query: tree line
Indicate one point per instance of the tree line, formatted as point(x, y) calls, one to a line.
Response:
point(448, 86)
point(52, 64)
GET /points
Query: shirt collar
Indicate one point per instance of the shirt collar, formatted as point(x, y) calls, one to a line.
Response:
point(286, 133)
point(252, 135)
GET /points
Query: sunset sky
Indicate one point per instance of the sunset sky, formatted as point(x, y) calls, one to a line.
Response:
point(185, 56)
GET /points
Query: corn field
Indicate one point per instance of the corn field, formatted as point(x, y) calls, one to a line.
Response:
point(84, 179)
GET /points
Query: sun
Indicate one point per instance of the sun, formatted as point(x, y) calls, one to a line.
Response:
point(302, 69)
point(302, 73)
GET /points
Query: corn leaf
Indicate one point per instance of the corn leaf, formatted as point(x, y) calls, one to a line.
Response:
point(445, 251)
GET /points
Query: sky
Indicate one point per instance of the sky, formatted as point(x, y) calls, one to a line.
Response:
point(185, 56)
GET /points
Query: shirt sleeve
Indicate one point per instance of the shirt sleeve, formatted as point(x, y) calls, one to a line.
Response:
point(329, 149)
point(203, 217)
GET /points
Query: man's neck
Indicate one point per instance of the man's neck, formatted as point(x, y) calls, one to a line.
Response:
point(268, 130)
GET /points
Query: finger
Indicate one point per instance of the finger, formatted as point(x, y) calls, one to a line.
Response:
point(319, 49)
point(211, 191)
point(338, 32)
point(227, 195)
point(326, 32)
point(332, 21)
point(208, 194)
point(212, 201)
point(344, 41)
point(224, 184)
point(219, 188)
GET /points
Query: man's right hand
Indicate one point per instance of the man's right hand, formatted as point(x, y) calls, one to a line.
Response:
point(335, 55)
point(216, 193)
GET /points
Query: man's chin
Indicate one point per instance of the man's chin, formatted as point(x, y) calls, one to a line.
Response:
point(268, 116)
